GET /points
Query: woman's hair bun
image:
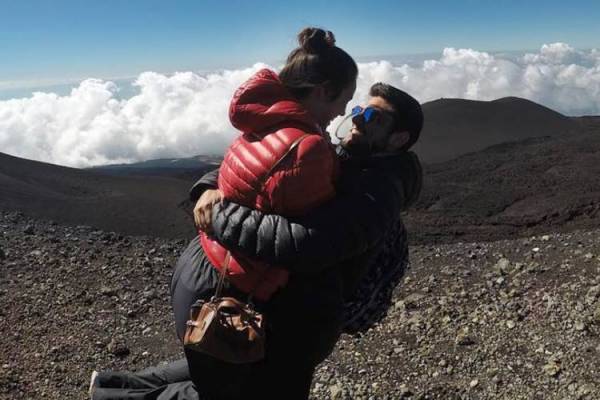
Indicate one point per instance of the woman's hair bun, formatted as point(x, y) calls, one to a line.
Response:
point(316, 40)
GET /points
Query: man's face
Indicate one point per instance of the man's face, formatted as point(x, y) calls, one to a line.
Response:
point(373, 136)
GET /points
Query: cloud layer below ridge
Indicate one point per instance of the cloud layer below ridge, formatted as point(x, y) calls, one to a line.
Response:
point(185, 113)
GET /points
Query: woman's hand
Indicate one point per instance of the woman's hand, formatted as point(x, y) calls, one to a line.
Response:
point(203, 209)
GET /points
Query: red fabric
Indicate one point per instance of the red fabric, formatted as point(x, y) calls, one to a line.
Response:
point(270, 120)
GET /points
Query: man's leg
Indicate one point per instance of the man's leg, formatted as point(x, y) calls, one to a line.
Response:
point(147, 384)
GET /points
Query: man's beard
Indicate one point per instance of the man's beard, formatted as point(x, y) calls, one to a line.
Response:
point(358, 148)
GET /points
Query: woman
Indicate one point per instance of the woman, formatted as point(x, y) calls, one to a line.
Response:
point(283, 163)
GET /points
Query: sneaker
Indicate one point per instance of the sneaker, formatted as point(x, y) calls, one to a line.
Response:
point(92, 384)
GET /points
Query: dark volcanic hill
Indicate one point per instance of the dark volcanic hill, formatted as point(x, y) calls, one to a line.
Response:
point(129, 205)
point(454, 127)
point(513, 189)
point(183, 168)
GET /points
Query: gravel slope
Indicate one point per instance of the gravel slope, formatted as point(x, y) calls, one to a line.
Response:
point(512, 319)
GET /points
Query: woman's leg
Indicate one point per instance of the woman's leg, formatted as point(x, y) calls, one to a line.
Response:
point(193, 278)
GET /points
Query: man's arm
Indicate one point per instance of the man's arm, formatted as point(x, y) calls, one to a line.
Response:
point(208, 181)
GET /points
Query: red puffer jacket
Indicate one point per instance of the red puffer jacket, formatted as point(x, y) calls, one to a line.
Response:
point(283, 163)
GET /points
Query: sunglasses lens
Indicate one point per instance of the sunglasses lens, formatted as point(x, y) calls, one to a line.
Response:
point(368, 114)
point(356, 110)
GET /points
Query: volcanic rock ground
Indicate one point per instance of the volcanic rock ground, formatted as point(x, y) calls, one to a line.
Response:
point(511, 319)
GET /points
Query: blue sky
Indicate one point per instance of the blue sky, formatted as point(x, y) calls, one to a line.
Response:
point(53, 40)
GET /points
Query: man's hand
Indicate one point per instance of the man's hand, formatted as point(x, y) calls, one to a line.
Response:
point(203, 209)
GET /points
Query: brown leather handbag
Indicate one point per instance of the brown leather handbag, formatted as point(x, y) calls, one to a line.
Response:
point(226, 328)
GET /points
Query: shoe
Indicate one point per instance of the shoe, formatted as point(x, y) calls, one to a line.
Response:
point(92, 384)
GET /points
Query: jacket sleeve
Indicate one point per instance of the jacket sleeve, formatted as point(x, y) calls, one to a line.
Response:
point(208, 181)
point(340, 229)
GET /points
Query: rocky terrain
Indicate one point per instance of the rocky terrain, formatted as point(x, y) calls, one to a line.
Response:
point(530, 187)
point(511, 319)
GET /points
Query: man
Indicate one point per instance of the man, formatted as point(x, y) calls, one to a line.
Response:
point(343, 257)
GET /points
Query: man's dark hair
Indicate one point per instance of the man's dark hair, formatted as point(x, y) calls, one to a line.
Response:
point(408, 112)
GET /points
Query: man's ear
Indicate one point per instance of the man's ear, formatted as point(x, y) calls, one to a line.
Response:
point(397, 140)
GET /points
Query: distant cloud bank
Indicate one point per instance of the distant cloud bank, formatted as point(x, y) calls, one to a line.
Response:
point(185, 113)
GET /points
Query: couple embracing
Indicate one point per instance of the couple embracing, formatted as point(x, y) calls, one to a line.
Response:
point(311, 230)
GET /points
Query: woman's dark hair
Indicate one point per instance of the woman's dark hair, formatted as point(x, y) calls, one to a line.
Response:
point(408, 112)
point(316, 61)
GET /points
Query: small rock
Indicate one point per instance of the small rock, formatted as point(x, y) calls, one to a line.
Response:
point(118, 348)
point(413, 299)
point(552, 368)
point(107, 291)
point(335, 392)
point(463, 339)
point(29, 230)
point(405, 392)
point(592, 294)
point(584, 390)
point(473, 383)
point(510, 324)
point(572, 387)
point(502, 265)
point(596, 315)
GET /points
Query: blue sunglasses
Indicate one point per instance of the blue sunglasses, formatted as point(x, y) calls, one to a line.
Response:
point(368, 113)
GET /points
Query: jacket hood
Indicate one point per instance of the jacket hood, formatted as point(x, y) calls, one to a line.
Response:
point(262, 102)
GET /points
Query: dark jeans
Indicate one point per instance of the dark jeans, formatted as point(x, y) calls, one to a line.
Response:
point(303, 326)
point(168, 382)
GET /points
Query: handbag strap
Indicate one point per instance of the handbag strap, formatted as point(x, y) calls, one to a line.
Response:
point(223, 274)
point(263, 179)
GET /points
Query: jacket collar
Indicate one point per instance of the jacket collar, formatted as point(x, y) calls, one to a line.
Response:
point(263, 102)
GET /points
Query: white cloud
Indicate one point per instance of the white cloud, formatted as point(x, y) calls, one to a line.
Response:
point(186, 113)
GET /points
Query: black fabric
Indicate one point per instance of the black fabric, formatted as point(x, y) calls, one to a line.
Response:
point(208, 181)
point(368, 294)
